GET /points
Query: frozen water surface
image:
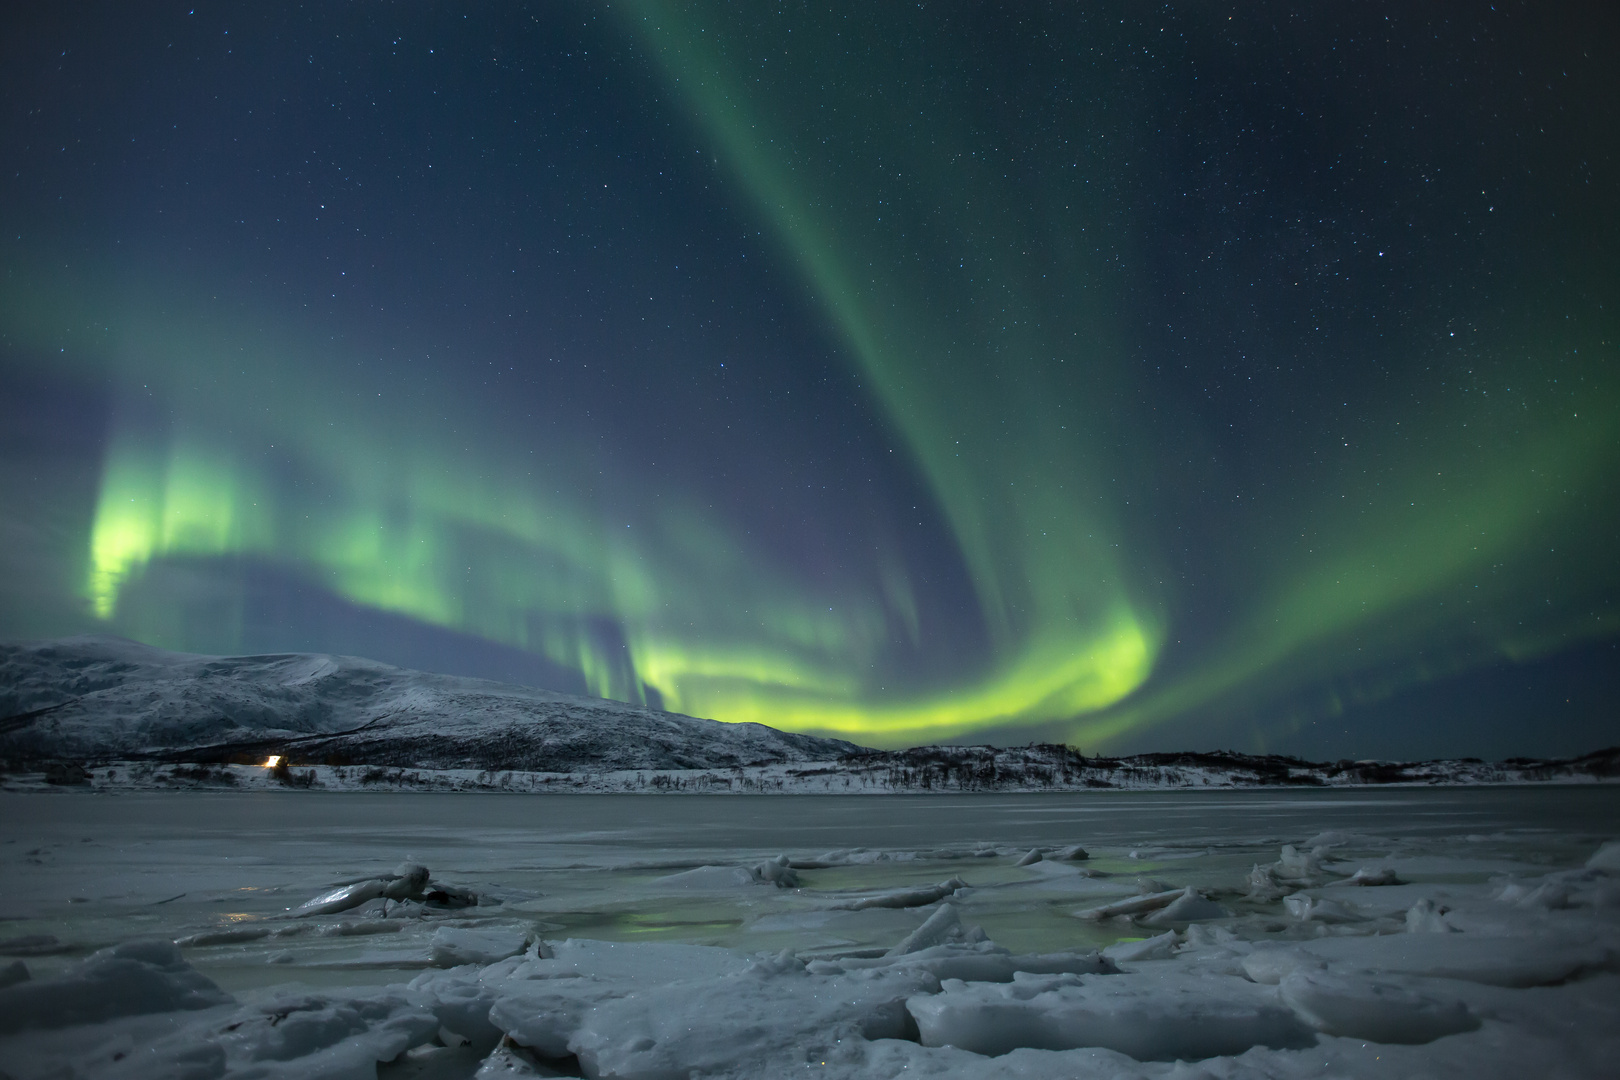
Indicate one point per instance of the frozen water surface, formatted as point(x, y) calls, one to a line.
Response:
point(1453, 932)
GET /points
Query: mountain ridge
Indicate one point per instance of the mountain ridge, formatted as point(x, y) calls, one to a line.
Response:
point(97, 697)
point(79, 701)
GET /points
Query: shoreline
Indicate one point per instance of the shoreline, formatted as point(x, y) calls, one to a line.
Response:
point(806, 778)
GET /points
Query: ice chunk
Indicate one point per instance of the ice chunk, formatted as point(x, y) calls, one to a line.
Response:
point(541, 1002)
point(461, 1002)
point(1605, 894)
point(1606, 858)
point(234, 935)
point(1263, 886)
point(350, 928)
point(903, 898)
point(275, 1037)
point(1030, 857)
point(319, 1031)
point(1367, 875)
point(407, 882)
point(1381, 1010)
point(1162, 947)
point(1550, 894)
point(543, 1015)
point(1072, 853)
point(508, 1063)
point(866, 856)
point(1424, 917)
point(778, 872)
point(1305, 907)
point(1134, 906)
point(1161, 1017)
point(453, 946)
point(1270, 964)
point(32, 945)
point(714, 878)
point(439, 894)
point(341, 898)
point(1190, 906)
point(130, 979)
point(936, 928)
point(1213, 937)
point(758, 1022)
point(1544, 960)
point(981, 961)
point(1297, 865)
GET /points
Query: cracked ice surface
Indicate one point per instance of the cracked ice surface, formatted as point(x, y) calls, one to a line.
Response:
point(1466, 933)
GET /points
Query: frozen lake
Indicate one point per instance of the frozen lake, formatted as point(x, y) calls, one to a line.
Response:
point(218, 872)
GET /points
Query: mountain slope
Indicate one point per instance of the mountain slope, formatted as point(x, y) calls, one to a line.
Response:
point(104, 698)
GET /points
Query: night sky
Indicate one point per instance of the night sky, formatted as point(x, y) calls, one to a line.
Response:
point(1137, 377)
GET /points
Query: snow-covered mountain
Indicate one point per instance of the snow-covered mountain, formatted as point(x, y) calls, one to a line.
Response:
point(86, 700)
point(105, 698)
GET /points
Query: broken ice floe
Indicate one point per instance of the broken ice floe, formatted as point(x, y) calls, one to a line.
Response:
point(140, 1012)
point(1190, 906)
point(1162, 947)
point(1163, 1016)
point(408, 882)
point(1510, 961)
point(1315, 980)
point(1426, 917)
point(1385, 1010)
point(142, 976)
point(905, 898)
point(939, 1001)
point(942, 925)
point(1368, 875)
point(648, 1011)
point(780, 872)
point(1306, 908)
point(1606, 857)
point(453, 946)
point(1134, 905)
point(32, 945)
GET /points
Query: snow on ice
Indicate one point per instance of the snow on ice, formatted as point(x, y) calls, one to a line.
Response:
point(1225, 956)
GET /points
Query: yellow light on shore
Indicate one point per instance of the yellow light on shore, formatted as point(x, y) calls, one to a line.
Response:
point(272, 761)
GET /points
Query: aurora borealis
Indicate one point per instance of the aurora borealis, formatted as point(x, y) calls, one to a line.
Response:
point(1140, 378)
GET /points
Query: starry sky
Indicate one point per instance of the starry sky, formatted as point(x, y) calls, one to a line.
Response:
point(1139, 377)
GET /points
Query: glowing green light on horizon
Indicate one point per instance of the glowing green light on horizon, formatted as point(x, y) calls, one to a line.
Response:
point(193, 503)
point(1050, 680)
point(1014, 474)
point(190, 502)
point(1440, 537)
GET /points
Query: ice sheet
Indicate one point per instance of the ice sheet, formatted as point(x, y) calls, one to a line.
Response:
point(609, 941)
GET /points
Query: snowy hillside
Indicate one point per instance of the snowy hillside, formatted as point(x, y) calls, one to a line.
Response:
point(345, 722)
point(104, 698)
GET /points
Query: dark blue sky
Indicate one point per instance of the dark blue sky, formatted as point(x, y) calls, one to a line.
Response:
point(1187, 377)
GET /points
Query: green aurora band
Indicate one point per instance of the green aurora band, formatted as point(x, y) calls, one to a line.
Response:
point(959, 277)
point(387, 506)
point(996, 355)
